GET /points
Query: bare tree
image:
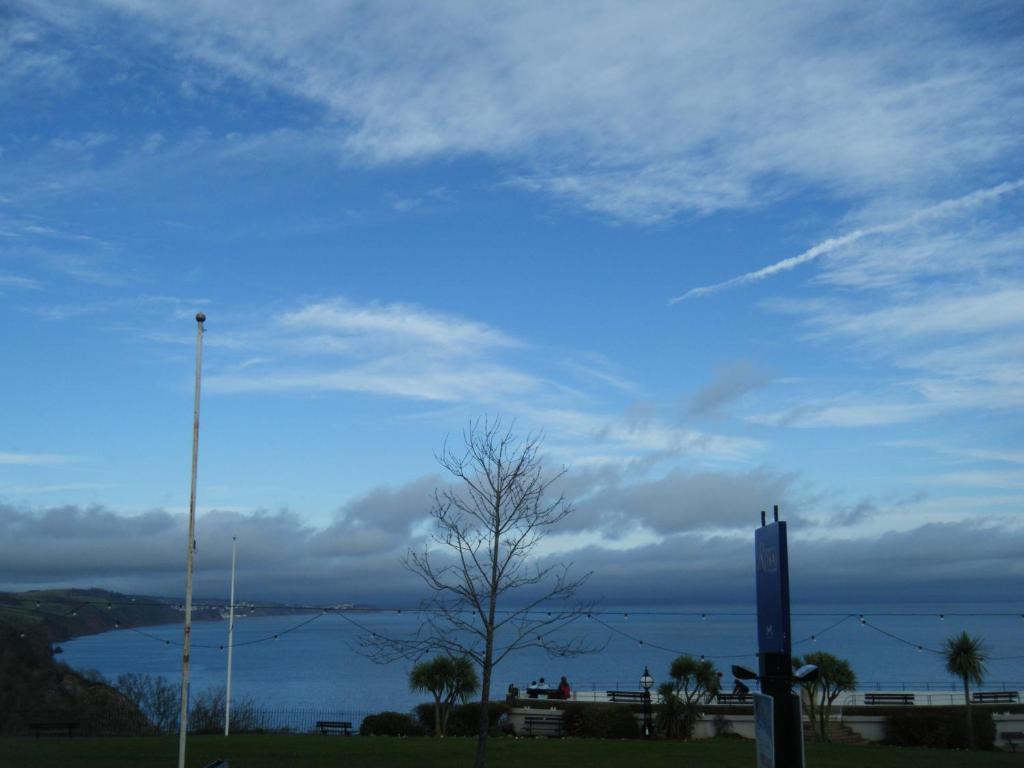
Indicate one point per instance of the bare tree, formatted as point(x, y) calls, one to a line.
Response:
point(487, 526)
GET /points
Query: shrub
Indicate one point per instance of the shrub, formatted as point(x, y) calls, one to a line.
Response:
point(424, 714)
point(600, 721)
point(206, 713)
point(939, 728)
point(465, 719)
point(675, 717)
point(155, 697)
point(389, 724)
point(103, 710)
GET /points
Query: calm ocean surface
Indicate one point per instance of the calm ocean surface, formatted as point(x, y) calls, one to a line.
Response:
point(318, 665)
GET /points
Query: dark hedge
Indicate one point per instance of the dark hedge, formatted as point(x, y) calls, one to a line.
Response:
point(939, 728)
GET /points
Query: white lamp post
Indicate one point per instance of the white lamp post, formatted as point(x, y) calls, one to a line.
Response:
point(646, 681)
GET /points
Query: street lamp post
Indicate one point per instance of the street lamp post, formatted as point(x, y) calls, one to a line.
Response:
point(646, 681)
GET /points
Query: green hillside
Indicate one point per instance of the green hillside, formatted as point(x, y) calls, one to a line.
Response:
point(35, 687)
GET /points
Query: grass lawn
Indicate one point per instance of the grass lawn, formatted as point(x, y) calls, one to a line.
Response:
point(386, 752)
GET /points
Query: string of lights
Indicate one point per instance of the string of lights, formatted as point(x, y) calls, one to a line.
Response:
point(257, 641)
point(594, 615)
point(225, 605)
point(165, 641)
point(639, 641)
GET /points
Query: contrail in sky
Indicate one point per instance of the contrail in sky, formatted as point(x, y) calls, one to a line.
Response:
point(936, 211)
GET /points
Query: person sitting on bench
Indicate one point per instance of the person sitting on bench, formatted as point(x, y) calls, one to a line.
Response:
point(564, 691)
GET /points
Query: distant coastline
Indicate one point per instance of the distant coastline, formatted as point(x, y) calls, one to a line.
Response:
point(58, 615)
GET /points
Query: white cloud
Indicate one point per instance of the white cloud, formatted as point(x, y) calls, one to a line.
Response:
point(944, 209)
point(399, 351)
point(990, 480)
point(639, 111)
point(392, 350)
point(18, 282)
point(868, 413)
point(11, 458)
point(948, 312)
point(394, 377)
point(973, 454)
point(578, 432)
point(929, 305)
point(406, 325)
point(26, 60)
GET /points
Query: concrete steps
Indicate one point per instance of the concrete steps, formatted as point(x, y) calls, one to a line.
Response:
point(837, 733)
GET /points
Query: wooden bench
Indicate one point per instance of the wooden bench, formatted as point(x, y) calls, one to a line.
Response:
point(54, 728)
point(888, 698)
point(334, 726)
point(543, 725)
point(990, 697)
point(628, 697)
point(547, 693)
point(733, 698)
point(1013, 738)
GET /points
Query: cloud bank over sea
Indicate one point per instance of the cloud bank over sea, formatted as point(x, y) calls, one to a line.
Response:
point(357, 558)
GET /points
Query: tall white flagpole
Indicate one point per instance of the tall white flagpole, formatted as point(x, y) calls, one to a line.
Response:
point(231, 640)
point(183, 725)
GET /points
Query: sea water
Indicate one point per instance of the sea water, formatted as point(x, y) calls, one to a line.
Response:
point(324, 665)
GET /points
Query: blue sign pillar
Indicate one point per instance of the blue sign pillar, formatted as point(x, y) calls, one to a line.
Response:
point(775, 643)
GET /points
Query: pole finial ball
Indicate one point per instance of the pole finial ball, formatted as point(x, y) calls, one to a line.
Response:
point(200, 317)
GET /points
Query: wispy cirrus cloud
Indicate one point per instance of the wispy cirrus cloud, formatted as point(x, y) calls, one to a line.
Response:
point(389, 378)
point(18, 282)
point(14, 458)
point(964, 452)
point(395, 350)
point(930, 302)
point(702, 107)
point(961, 312)
point(938, 211)
point(421, 355)
point(26, 59)
point(404, 324)
point(577, 432)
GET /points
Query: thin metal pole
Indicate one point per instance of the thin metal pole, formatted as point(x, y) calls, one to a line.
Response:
point(183, 724)
point(231, 640)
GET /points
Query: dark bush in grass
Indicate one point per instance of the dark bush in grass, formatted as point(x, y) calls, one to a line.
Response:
point(939, 728)
point(156, 697)
point(600, 721)
point(464, 719)
point(425, 716)
point(102, 710)
point(390, 724)
point(206, 713)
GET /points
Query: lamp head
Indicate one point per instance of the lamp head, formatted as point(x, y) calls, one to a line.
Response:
point(743, 673)
point(646, 681)
point(806, 674)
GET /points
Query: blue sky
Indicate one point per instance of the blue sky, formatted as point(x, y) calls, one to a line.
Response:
point(723, 255)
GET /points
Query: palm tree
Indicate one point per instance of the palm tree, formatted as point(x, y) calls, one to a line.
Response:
point(692, 681)
point(835, 676)
point(965, 658)
point(449, 679)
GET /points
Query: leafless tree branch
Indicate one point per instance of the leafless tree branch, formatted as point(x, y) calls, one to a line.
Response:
point(487, 527)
